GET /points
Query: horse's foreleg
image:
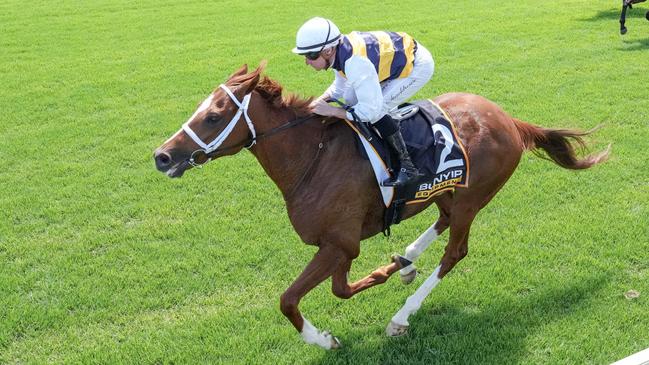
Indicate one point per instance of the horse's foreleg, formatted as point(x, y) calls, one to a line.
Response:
point(323, 264)
point(456, 250)
point(342, 289)
point(623, 29)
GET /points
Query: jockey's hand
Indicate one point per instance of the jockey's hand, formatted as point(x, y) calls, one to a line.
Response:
point(321, 107)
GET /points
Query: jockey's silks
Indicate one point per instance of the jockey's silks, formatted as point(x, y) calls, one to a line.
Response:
point(391, 53)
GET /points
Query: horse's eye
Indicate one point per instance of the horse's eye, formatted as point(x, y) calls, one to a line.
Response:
point(212, 118)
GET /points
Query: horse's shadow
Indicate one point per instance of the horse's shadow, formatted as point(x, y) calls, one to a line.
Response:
point(610, 14)
point(636, 45)
point(446, 334)
point(637, 12)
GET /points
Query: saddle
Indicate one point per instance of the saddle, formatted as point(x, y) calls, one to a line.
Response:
point(433, 145)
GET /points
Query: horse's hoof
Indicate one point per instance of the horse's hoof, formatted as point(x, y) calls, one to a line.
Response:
point(401, 261)
point(409, 277)
point(396, 330)
point(647, 15)
point(623, 31)
point(335, 342)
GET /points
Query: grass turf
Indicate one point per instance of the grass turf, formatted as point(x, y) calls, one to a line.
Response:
point(105, 260)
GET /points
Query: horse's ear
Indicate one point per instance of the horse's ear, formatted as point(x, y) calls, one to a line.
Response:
point(261, 67)
point(241, 71)
point(252, 79)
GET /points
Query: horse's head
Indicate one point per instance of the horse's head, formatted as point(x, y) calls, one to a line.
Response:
point(220, 126)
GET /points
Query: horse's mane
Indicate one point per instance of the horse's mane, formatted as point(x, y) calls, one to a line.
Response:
point(271, 91)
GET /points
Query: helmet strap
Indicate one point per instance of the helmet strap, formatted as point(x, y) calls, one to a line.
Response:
point(329, 61)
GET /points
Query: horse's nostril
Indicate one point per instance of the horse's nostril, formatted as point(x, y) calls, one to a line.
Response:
point(162, 160)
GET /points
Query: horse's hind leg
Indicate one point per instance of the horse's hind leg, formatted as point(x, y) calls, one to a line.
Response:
point(415, 249)
point(456, 249)
point(342, 289)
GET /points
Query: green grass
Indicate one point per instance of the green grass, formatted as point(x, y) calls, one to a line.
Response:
point(105, 260)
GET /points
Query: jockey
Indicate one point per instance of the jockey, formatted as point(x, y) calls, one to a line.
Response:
point(375, 72)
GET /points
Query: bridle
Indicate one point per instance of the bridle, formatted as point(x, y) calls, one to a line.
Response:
point(212, 148)
point(208, 148)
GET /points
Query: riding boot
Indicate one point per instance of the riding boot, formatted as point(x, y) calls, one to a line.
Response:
point(408, 171)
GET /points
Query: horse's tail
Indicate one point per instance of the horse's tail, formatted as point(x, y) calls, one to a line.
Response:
point(559, 144)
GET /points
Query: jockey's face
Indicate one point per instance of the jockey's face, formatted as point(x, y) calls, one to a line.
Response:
point(318, 64)
point(323, 62)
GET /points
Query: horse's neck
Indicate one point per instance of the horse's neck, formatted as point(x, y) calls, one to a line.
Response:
point(287, 155)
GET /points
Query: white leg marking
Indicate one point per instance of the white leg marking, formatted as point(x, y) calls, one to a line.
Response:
point(413, 303)
point(312, 336)
point(416, 248)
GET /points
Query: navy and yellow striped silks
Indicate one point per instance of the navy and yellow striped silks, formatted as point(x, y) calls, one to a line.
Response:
point(391, 53)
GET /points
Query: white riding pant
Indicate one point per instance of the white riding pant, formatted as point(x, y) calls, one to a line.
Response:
point(397, 91)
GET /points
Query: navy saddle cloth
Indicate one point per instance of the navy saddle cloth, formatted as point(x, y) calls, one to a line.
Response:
point(435, 149)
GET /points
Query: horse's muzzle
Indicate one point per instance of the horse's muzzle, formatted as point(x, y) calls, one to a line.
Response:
point(164, 162)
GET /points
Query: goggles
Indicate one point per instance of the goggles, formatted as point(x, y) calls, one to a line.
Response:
point(312, 55)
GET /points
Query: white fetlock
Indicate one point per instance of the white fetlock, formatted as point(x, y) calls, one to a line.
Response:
point(395, 330)
point(324, 339)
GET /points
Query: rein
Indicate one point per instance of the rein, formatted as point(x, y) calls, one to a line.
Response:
point(253, 140)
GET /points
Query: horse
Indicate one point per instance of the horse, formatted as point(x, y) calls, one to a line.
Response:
point(330, 191)
point(628, 4)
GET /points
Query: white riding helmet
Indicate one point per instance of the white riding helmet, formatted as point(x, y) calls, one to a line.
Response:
point(315, 35)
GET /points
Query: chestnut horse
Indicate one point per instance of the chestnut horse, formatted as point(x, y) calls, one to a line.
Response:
point(331, 195)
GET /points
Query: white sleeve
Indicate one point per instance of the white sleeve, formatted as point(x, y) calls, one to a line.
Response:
point(337, 87)
point(362, 76)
